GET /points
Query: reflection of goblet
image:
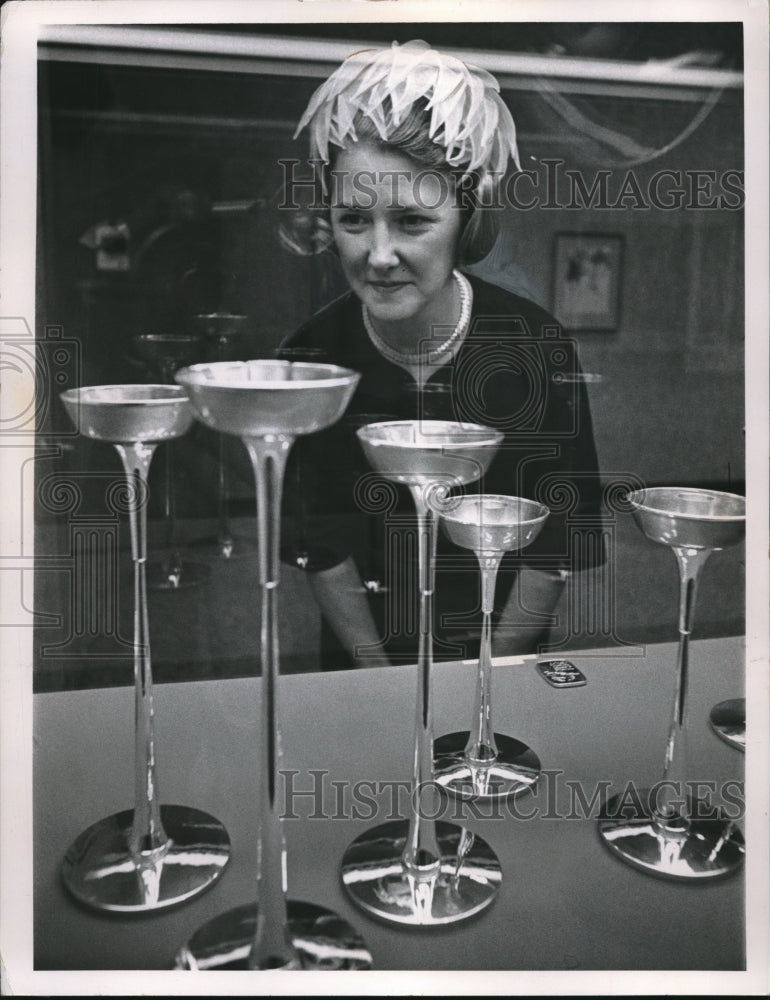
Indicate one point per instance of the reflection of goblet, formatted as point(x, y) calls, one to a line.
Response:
point(728, 720)
point(301, 553)
point(423, 872)
point(670, 833)
point(165, 353)
point(372, 571)
point(154, 856)
point(267, 404)
point(430, 400)
point(223, 330)
point(482, 763)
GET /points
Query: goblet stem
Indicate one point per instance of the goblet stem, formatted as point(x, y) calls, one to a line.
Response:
point(173, 568)
point(691, 562)
point(224, 538)
point(147, 833)
point(272, 946)
point(302, 513)
point(422, 856)
point(481, 748)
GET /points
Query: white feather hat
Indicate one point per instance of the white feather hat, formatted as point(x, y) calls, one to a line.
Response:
point(469, 118)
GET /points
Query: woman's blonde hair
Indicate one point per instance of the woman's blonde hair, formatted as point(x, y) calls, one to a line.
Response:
point(442, 113)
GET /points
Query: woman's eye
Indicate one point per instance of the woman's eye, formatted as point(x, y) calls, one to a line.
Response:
point(414, 223)
point(352, 221)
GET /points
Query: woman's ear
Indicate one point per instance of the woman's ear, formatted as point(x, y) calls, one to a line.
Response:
point(482, 207)
point(479, 235)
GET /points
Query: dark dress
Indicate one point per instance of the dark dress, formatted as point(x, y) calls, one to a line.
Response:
point(517, 372)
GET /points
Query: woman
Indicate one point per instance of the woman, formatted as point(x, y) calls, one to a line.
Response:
point(415, 145)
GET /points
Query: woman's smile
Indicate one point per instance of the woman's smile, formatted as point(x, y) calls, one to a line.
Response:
point(387, 287)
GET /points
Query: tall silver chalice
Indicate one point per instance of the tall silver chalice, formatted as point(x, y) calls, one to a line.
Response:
point(155, 855)
point(165, 353)
point(480, 763)
point(422, 871)
point(674, 835)
point(268, 404)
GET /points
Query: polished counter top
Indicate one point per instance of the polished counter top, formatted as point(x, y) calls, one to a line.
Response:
point(565, 903)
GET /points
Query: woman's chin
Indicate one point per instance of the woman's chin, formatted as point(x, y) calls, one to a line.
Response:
point(389, 312)
point(389, 316)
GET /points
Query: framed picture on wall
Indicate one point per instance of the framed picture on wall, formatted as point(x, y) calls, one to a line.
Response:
point(587, 277)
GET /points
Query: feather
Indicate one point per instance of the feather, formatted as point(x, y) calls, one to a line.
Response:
point(346, 112)
point(405, 60)
point(447, 81)
point(447, 108)
point(486, 135)
point(322, 128)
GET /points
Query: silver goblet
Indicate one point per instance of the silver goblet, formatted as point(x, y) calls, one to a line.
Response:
point(424, 872)
point(480, 763)
point(155, 855)
point(268, 404)
point(668, 833)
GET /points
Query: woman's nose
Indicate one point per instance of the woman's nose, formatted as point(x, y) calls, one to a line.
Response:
point(382, 249)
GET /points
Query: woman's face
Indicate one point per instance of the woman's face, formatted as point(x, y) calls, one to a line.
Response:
point(396, 227)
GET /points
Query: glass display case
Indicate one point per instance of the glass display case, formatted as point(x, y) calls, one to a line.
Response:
point(167, 160)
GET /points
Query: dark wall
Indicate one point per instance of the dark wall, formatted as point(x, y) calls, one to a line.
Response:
point(670, 401)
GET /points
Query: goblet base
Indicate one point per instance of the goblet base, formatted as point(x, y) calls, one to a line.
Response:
point(324, 941)
point(515, 769)
point(377, 881)
point(99, 870)
point(164, 576)
point(728, 720)
point(704, 845)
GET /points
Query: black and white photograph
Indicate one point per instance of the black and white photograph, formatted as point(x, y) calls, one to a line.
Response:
point(383, 446)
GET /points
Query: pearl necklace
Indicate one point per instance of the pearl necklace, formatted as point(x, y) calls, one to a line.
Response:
point(412, 358)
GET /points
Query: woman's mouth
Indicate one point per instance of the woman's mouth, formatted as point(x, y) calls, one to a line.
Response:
point(386, 287)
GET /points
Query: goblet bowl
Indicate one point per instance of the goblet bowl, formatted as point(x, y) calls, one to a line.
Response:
point(221, 324)
point(255, 398)
point(493, 523)
point(417, 452)
point(165, 349)
point(133, 413)
point(689, 518)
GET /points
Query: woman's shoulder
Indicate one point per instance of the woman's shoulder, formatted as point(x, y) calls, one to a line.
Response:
point(493, 302)
point(327, 325)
